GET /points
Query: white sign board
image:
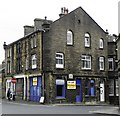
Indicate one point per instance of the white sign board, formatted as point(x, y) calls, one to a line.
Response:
point(70, 76)
point(35, 81)
point(42, 100)
point(71, 84)
point(60, 82)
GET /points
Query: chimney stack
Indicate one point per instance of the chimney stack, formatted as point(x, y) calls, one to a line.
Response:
point(4, 45)
point(64, 11)
point(28, 29)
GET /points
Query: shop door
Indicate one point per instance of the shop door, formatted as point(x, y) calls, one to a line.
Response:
point(102, 92)
point(20, 88)
point(35, 89)
point(79, 90)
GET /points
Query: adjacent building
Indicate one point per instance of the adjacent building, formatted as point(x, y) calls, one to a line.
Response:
point(2, 82)
point(112, 70)
point(118, 48)
point(61, 61)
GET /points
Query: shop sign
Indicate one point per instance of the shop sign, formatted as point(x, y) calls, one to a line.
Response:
point(35, 81)
point(71, 84)
point(60, 82)
point(13, 80)
point(70, 76)
point(42, 100)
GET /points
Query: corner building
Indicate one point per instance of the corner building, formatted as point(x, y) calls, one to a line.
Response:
point(74, 59)
point(66, 62)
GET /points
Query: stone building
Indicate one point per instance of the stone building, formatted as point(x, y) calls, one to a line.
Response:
point(118, 47)
point(112, 70)
point(60, 61)
point(2, 75)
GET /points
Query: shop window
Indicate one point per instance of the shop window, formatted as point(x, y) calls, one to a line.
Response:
point(60, 88)
point(69, 38)
point(90, 88)
point(111, 87)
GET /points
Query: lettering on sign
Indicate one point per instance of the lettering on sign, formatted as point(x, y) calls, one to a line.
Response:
point(35, 81)
point(71, 84)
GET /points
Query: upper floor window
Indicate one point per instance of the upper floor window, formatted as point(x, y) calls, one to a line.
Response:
point(8, 51)
point(18, 65)
point(27, 63)
point(34, 61)
point(69, 37)
point(86, 61)
point(101, 43)
point(33, 42)
point(19, 48)
point(8, 67)
point(59, 60)
point(101, 63)
point(110, 64)
point(87, 40)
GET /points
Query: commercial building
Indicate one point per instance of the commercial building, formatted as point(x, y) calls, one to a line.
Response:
point(61, 61)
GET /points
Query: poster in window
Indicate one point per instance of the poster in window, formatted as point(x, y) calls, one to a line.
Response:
point(71, 84)
point(35, 81)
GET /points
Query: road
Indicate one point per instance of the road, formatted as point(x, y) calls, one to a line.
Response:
point(21, 108)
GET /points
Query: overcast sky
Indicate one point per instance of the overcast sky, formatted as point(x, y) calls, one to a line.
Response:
point(14, 14)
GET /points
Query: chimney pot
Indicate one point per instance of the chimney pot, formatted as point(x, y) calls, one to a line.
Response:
point(64, 11)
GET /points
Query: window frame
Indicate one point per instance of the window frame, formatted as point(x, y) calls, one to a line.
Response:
point(63, 88)
point(69, 37)
point(101, 63)
point(8, 67)
point(8, 52)
point(26, 63)
point(33, 42)
point(112, 64)
point(86, 62)
point(34, 61)
point(101, 43)
point(89, 90)
point(59, 60)
point(111, 87)
point(87, 40)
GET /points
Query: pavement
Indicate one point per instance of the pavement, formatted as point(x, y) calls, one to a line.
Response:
point(110, 110)
point(114, 111)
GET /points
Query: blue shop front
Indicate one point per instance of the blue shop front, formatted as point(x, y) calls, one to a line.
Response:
point(35, 88)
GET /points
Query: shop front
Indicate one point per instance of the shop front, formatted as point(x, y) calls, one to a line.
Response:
point(35, 88)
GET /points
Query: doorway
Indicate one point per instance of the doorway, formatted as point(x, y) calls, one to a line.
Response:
point(79, 91)
point(102, 92)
